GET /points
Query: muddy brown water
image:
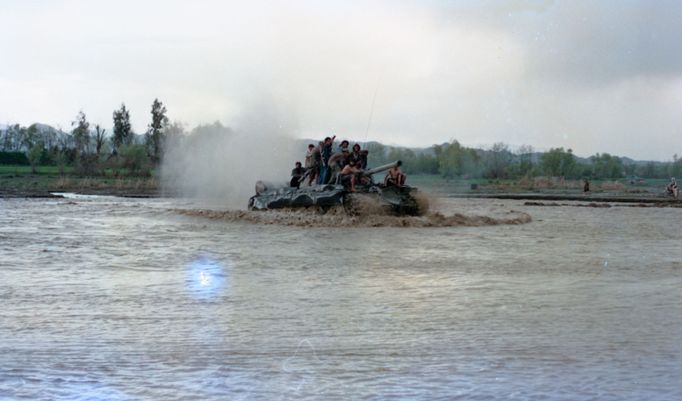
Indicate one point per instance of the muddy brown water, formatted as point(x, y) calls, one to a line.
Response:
point(147, 299)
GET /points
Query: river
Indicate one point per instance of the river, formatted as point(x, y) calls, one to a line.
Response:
point(134, 299)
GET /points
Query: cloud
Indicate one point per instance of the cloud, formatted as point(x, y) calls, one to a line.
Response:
point(597, 43)
point(573, 74)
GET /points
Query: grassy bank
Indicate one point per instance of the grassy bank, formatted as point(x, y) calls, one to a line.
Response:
point(16, 180)
point(20, 181)
point(539, 185)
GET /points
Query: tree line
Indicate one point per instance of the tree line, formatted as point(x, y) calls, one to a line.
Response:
point(88, 148)
point(91, 151)
point(453, 160)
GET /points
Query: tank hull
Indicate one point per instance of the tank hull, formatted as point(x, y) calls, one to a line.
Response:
point(287, 197)
point(395, 200)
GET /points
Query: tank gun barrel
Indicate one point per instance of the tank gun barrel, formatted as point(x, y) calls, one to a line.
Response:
point(383, 168)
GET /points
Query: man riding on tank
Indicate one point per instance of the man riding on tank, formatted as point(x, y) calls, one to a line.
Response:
point(351, 183)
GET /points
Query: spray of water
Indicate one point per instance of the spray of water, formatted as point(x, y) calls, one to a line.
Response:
point(338, 217)
point(220, 165)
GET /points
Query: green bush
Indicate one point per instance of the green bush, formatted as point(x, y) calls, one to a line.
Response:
point(134, 158)
point(14, 158)
point(88, 165)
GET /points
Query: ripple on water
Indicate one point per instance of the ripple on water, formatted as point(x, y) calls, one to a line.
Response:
point(129, 299)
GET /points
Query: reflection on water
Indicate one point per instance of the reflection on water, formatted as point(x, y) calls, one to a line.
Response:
point(107, 298)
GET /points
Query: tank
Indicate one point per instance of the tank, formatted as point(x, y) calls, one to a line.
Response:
point(393, 199)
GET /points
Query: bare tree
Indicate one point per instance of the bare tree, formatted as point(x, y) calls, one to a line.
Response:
point(123, 134)
point(99, 138)
point(81, 133)
point(525, 155)
point(497, 160)
point(156, 131)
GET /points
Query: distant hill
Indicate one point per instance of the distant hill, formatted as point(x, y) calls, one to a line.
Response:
point(50, 136)
point(44, 133)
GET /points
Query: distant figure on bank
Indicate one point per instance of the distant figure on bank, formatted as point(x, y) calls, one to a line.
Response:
point(297, 175)
point(586, 185)
point(349, 175)
point(395, 177)
point(672, 189)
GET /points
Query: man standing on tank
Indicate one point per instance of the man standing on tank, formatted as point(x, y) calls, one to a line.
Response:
point(326, 153)
point(312, 163)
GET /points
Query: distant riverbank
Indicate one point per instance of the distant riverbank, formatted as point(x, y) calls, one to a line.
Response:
point(544, 188)
point(19, 181)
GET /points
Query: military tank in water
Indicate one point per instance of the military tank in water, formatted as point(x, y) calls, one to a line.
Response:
point(397, 200)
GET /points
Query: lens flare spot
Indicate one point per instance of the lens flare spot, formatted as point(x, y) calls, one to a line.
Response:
point(205, 278)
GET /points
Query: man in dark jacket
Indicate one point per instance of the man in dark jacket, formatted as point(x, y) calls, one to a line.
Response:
point(326, 153)
point(297, 175)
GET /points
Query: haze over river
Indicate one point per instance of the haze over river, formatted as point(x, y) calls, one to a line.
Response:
point(127, 299)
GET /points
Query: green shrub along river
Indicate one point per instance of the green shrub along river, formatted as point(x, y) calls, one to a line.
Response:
point(19, 180)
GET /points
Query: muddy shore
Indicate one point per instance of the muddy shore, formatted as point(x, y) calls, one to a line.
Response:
point(612, 197)
point(101, 191)
point(533, 199)
point(48, 186)
point(35, 186)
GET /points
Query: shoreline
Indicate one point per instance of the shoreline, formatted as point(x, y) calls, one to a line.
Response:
point(537, 196)
point(56, 194)
point(46, 185)
point(49, 186)
point(529, 196)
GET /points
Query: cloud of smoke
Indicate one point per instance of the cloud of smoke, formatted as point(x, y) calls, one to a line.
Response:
point(221, 164)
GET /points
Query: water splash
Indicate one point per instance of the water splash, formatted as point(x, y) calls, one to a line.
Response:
point(337, 217)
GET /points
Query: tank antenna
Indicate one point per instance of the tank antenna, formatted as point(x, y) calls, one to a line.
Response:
point(371, 110)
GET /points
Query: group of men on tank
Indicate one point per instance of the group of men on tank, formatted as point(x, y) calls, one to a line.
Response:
point(323, 166)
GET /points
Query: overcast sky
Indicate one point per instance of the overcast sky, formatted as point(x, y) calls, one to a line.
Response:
point(594, 76)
